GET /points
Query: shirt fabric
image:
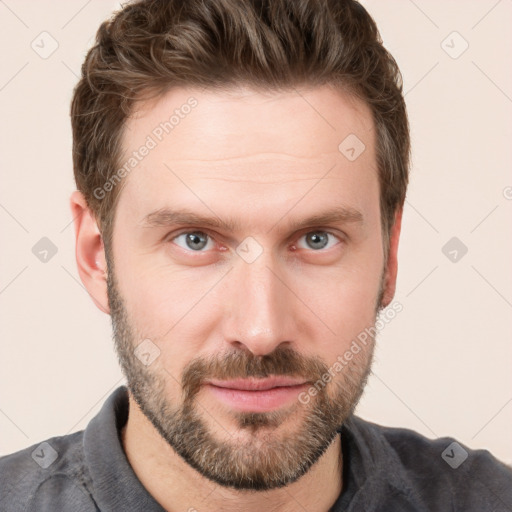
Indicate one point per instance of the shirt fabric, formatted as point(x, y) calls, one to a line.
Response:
point(384, 470)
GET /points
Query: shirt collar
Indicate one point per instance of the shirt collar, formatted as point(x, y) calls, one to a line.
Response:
point(375, 479)
point(116, 486)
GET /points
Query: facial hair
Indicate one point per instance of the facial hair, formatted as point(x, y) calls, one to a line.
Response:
point(267, 459)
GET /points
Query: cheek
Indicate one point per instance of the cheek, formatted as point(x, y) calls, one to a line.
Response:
point(344, 299)
point(351, 315)
point(174, 309)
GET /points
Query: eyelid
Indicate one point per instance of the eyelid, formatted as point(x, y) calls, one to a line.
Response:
point(314, 229)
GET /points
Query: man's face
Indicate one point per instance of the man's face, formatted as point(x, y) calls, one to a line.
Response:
point(263, 292)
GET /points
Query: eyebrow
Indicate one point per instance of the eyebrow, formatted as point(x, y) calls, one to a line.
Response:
point(165, 217)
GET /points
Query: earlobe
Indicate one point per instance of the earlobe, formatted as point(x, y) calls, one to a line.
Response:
point(392, 263)
point(89, 251)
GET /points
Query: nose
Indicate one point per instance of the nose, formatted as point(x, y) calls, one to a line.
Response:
point(261, 307)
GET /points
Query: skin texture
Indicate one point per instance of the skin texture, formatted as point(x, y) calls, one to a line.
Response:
point(268, 160)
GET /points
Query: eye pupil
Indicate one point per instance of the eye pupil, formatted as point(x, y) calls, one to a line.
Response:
point(319, 239)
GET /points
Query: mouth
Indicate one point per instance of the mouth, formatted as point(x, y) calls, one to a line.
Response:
point(256, 395)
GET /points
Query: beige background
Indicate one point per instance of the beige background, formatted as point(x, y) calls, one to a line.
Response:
point(443, 365)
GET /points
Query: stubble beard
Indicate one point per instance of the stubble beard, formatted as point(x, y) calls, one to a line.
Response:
point(259, 454)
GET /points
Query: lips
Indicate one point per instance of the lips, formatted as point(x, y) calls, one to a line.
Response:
point(256, 395)
point(251, 384)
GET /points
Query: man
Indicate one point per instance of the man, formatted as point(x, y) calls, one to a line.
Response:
point(273, 136)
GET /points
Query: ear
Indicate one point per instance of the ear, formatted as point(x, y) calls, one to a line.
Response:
point(89, 251)
point(391, 271)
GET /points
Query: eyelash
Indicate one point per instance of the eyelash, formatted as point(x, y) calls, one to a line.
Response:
point(209, 235)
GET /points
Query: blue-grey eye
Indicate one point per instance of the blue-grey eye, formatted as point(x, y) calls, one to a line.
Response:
point(194, 240)
point(317, 239)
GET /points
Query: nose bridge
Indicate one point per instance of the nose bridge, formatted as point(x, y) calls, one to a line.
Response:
point(261, 304)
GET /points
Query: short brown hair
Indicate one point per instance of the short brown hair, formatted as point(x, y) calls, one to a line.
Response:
point(150, 46)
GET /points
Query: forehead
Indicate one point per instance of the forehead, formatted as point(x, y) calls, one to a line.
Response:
point(219, 124)
point(249, 143)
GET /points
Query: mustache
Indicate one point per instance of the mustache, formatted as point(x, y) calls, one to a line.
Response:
point(283, 361)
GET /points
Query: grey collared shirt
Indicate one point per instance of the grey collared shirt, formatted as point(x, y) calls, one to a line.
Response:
point(384, 470)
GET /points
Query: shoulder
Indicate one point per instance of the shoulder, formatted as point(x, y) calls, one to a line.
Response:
point(49, 475)
point(443, 468)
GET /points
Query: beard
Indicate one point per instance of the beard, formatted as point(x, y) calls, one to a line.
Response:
point(266, 459)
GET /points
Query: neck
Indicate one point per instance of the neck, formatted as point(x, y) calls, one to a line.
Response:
point(178, 486)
